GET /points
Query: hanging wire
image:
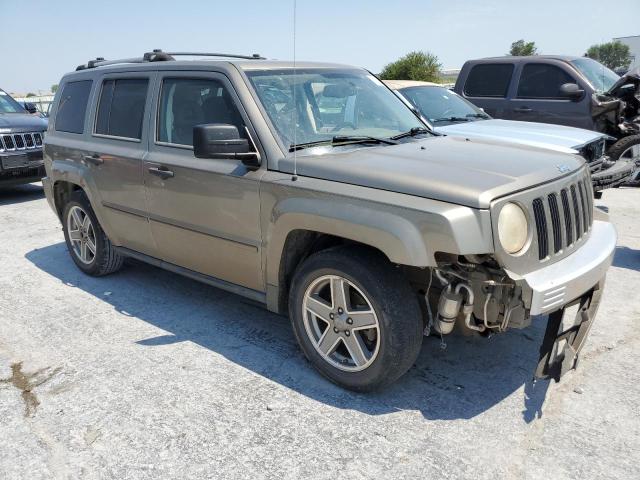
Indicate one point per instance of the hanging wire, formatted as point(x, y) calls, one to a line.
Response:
point(295, 103)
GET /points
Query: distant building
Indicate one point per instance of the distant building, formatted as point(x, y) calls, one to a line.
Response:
point(634, 45)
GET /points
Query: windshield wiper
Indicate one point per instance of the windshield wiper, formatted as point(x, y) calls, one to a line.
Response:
point(411, 133)
point(341, 140)
point(451, 119)
point(478, 115)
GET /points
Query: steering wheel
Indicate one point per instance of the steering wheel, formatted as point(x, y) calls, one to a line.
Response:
point(341, 125)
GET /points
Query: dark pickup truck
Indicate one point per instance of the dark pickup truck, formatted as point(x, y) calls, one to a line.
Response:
point(564, 90)
point(21, 139)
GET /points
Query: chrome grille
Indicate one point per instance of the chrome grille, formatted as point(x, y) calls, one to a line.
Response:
point(561, 224)
point(20, 141)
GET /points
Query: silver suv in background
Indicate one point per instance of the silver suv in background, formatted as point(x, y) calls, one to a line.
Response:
point(313, 189)
point(448, 113)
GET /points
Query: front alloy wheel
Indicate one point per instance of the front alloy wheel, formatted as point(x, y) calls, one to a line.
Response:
point(341, 323)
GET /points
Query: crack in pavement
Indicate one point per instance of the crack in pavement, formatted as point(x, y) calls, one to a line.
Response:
point(27, 382)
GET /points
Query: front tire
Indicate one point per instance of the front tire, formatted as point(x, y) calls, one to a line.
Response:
point(355, 317)
point(87, 243)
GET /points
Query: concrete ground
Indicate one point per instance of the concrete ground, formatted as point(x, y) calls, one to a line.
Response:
point(145, 374)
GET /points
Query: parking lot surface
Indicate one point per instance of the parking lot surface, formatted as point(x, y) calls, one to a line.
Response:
point(145, 374)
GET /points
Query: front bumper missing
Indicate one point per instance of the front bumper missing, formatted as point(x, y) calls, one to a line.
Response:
point(558, 284)
point(561, 347)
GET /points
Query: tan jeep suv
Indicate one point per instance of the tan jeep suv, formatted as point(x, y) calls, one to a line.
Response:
point(313, 189)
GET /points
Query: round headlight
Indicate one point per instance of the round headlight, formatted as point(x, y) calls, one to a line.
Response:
point(513, 229)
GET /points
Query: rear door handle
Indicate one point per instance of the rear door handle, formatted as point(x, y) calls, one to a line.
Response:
point(523, 109)
point(94, 159)
point(161, 172)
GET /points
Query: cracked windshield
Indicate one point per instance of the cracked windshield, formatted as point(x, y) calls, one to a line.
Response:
point(331, 107)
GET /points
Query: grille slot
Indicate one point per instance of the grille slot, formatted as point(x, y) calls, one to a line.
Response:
point(583, 202)
point(37, 139)
point(28, 140)
point(567, 216)
point(555, 222)
point(576, 211)
point(541, 228)
point(19, 140)
point(8, 142)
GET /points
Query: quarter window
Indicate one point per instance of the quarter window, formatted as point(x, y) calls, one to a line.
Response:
point(121, 107)
point(542, 81)
point(489, 80)
point(72, 107)
point(187, 102)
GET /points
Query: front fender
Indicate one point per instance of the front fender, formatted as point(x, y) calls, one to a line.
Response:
point(409, 230)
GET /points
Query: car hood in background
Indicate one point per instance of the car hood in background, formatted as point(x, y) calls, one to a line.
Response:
point(543, 135)
point(451, 169)
point(630, 77)
point(21, 122)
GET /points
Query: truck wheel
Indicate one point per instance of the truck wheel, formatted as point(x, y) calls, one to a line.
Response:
point(87, 243)
point(628, 148)
point(355, 317)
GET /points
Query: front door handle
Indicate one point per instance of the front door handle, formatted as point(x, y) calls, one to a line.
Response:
point(523, 109)
point(94, 159)
point(161, 172)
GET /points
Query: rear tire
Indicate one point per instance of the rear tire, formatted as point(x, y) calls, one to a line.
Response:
point(87, 243)
point(366, 338)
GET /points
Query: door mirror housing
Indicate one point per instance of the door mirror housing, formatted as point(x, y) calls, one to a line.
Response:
point(571, 91)
point(30, 107)
point(223, 141)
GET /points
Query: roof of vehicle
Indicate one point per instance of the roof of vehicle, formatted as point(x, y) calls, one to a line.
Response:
point(566, 58)
point(398, 84)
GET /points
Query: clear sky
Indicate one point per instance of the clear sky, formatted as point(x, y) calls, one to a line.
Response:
point(41, 40)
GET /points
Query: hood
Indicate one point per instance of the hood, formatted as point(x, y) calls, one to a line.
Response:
point(21, 122)
point(542, 135)
point(632, 76)
point(455, 170)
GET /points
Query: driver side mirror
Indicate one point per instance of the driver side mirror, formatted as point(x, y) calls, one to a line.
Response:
point(30, 107)
point(571, 91)
point(221, 140)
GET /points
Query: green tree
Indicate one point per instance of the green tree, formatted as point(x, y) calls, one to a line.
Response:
point(520, 48)
point(54, 88)
point(612, 54)
point(423, 66)
point(31, 94)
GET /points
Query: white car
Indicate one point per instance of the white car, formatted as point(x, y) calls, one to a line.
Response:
point(444, 111)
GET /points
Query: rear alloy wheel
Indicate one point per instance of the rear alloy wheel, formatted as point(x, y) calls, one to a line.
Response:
point(87, 243)
point(355, 317)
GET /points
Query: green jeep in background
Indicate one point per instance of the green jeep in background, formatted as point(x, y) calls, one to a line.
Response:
point(313, 189)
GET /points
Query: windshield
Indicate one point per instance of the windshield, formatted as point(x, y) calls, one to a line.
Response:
point(330, 103)
point(8, 104)
point(599, 76)
point(439, 105)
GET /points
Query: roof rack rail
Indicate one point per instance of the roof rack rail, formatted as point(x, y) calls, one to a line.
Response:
point(158, 55)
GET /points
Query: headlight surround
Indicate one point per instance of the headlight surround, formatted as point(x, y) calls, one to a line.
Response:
point(513, 228)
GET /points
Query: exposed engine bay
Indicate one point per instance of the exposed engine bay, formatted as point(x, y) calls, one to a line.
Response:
point(474, 292)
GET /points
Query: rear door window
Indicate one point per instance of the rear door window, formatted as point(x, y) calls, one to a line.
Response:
point(121, 107)
point(489, 80)
point(72, 107)
point(539, 80)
